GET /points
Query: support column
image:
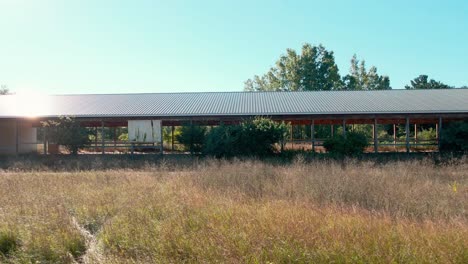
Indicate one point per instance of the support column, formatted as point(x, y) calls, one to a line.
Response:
point(407, 135)
point(332, 131)
point(162, 140)
point(415, 133)
point(95, 138)
point(102, 137)
point(115, 138)
point(45, 140)
point(344, 127)
point(292, 136)
point(191, 136)
point(16, 137)
point(312, 136)
point(376, 140)
point(439, 133)
point(172, 138)
point(394, 136)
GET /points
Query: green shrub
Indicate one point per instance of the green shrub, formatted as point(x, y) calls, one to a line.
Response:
point(427, 134)
point(256, 137)
point(223, 141)
point(68, 132)
point(454, 137)
point(353, 144)
point(192, 137)
point(8, 243)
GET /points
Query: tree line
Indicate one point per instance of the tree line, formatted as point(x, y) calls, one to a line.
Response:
point(315, 69)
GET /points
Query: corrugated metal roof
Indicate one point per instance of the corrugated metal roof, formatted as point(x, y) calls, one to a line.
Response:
point(237, 103)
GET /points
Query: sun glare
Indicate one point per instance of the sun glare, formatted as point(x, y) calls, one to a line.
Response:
point(31, 104)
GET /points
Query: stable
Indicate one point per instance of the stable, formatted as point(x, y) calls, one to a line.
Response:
point(21, 115)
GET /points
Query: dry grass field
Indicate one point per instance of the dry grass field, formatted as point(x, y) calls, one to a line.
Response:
point(238, 212)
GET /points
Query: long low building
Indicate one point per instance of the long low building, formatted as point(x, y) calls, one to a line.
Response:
point(20, 115)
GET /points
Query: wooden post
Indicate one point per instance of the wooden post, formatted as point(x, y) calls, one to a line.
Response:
point(172, 138)
point(162, 140)
point(376, 140)
point(292, 136)
point(191, 137)
point(373, 131)
point(415, 133)
point(332, 131)
point(115, 138)
point(407, 135)
point(102, 136)
point(344, 127)
point(95, 138)
point(394, 136)
point(45, 140)
point(439, 133)
point(17, 137)
point(312, 136)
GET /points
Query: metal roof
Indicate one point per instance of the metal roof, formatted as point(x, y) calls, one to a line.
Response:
point(237, 103)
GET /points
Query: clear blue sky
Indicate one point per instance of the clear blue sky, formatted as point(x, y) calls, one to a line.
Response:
point(111, 46)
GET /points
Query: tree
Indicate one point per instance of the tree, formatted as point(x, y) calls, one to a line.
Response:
point(454, 137)
point(67, 131)
point(312, 70)
point(4, 90)
point(361, 79)
point(421, 82)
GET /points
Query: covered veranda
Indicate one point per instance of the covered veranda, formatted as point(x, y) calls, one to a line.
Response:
point(402, 113)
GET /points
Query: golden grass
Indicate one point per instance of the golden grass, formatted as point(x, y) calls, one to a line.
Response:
point(239, 211)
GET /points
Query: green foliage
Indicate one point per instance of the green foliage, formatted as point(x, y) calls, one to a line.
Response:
point(427, 134)
point(361, 79)
point(257, 137)
point(454, 137)
point(8, 243)
point(363, 129)
point(123, 137)
point(422, 82)
point(67, 131)
point(353, 144)
point(315, 70)
point(4, 90)
point(192, 137)
point(312, 70)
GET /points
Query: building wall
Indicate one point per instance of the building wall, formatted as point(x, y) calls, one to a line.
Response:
point(27, 137)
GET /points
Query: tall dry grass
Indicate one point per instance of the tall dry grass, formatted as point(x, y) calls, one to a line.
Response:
point(238, 211)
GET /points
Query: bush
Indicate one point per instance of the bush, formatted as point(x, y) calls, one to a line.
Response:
point(256, 137)
point(192, 137)
point(454, 137)
point(353, 144)
point(67, 131)
point(8, 243)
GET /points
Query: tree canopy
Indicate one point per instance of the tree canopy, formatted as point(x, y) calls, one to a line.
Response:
point(361, 79)
point(423, 82)
point(314, 69)
point(4, 90)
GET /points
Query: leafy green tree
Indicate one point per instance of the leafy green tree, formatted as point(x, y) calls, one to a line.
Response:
point(4, 90)
point(361, 79)
point(67, 131)
point(423, 82)
point(454, 137)
point(312, 70)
